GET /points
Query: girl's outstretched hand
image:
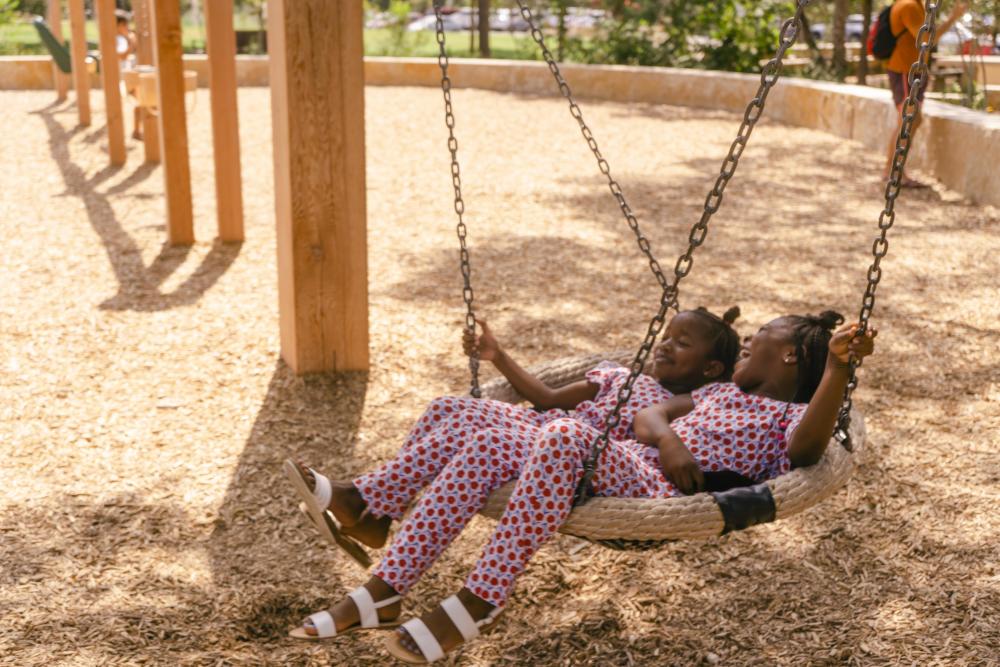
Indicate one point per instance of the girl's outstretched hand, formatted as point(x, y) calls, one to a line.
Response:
point(486, 343)
point(844, 346)
point(680, 467)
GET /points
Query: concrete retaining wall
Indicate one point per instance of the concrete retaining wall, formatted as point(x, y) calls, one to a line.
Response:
point(25, 73)
point(35, 72)
point(957, 146)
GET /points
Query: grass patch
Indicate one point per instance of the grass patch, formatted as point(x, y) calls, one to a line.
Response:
point(503, 45)
point(21, 38)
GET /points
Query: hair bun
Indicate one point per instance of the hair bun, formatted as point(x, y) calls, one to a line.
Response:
point(829, 319)
point(730, 315)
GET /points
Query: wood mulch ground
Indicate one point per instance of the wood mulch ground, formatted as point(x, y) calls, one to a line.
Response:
point(144, 410)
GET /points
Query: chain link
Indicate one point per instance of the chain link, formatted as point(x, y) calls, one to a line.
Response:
point(456, 182)
point(696, 237)
point(588, 135)
point(917, 77)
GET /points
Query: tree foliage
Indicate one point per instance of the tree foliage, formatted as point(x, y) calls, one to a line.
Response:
point(7, 8)
point(725, 34)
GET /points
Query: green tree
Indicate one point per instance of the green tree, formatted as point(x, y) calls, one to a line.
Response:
point(255, 8)
point(7, 9)
point(866, 13)
point(838, 32)
point(725, 34)
point(484, 28)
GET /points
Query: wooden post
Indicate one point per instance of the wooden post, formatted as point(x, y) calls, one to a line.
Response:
point(173, 121)
point(59, 78)
point(78, 52)
point(221, 43)
point(317, 109)
point(144, 57)
point(111, 77)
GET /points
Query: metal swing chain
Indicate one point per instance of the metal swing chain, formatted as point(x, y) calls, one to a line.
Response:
point(696, 237)
point(917, 77)
point(602, 164)
point(456, 181)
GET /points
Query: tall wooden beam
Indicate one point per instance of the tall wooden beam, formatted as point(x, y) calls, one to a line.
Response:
point(221, 43)
point(317, 108)
point(144, 57)
point(78, 53)
point(111, 77)
point(173, 121)
point(60, 79)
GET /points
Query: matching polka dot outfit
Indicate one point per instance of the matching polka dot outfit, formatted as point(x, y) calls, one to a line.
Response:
point(444, 428)
point(729, 429)
point(462, 449)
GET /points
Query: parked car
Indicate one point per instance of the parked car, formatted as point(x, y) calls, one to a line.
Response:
point(584, 19)
point(379, 20)
point(509, 20)
point(854, 28)
point(453, 22)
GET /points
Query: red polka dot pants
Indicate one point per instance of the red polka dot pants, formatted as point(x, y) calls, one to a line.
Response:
point(440, 432)
point(547, 462)
point(491, 457)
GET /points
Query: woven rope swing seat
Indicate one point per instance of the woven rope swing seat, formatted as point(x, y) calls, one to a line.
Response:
point(638, 523)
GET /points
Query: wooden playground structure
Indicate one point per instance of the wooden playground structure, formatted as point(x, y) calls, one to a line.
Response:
point(317, 100)
point(159, 84)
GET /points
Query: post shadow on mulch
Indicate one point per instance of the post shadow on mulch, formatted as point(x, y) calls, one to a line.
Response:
point(275, 567)
point(138, 285)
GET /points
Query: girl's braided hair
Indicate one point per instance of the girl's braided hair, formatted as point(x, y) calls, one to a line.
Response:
point(725, 340)
point(811, 335)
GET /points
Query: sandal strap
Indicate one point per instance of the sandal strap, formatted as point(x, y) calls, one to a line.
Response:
point(368, 607)
point(323, 490)
point(490, 617)
point(428, 644)
point(460, 616)
point(323, 622)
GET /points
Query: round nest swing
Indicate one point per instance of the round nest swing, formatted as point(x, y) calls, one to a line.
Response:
point(637, 523)
point(643, 523)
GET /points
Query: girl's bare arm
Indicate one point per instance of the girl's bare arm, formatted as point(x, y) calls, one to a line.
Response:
point(536, 392)
point(810, 438)
point(652, 426)
point(539, 394)
point(653, 423)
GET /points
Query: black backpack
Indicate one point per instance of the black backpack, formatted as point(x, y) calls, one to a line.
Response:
point(882, 42)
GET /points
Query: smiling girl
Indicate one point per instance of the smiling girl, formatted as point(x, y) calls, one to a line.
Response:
point(462, 449)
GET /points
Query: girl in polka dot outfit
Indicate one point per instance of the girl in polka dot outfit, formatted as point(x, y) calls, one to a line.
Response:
point(779, 412)
point(465, 448)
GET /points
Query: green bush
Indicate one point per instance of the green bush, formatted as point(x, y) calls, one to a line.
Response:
point(726, 34)
point(7, 9)
point(400, 41)
point(34, 7)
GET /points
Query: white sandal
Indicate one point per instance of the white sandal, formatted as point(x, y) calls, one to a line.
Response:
point(314, 504)
point(430, 647)
point(326, 628)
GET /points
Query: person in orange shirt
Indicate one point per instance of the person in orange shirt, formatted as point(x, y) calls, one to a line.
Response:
point(905, 21)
